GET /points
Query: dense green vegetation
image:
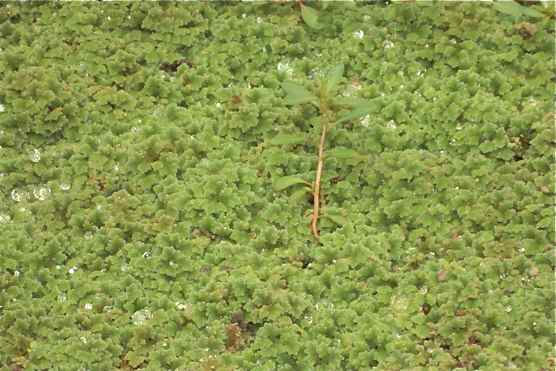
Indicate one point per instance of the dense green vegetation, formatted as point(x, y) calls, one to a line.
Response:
point(141, 227)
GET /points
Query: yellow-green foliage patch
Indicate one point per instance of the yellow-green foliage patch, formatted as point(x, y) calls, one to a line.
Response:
point(140, 222)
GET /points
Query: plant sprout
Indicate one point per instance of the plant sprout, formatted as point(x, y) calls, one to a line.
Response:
point(325, 97)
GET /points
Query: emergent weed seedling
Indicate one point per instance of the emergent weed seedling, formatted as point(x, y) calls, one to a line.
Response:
point(324, 96)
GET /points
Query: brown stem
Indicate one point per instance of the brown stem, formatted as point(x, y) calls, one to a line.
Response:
point(316, 191)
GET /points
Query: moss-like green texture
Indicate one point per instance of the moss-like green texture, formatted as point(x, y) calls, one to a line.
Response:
point(139, 226)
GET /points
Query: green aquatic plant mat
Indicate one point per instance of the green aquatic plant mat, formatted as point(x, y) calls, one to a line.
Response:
point(147, 221)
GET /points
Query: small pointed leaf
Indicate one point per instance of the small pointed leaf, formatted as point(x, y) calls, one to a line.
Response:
point(336, 216)
point(508, 7)
point(356, 112)
point(516, 10)
point(350, 101)
point(530, 12)
point(344, 153)
point(310, 16)
point(301, 194)
point(287, 181)
point(297, 94)
point(334, 76)
point(282, 139)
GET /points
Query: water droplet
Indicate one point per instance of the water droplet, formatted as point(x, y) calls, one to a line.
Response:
point(35, 156)
point(388, 44)
point(182, 306)
point(65, 186)
point(72, 270)
point(358, 34)
point(17, 196)
point(141, 316)
point(146, 255)
point(391, 124)
point(88, 306)
point(284, 67)
point(41, 193)
point(5, 218)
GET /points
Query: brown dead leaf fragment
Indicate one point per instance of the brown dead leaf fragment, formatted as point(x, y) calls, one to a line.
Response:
point(233, 333)
point(473, 340)
point(239, 319)
point(173, 67)
point(236, 99)
point(526, 29)
point(442, 275)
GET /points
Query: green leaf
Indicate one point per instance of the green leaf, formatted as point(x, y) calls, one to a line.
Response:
point(516, 10)
point(528, 11)
point(334, 76)
point(310, 16)
point(301, 194)
point(508, 7)
point(287, 181)
point(337, 216)
point(297, 94)
point(343, 153)
point(357, 112)
point(282, 139)
point(350, 101)
point(135, 359)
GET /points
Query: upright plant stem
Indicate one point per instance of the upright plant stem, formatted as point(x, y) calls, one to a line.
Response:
point(316, 191)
